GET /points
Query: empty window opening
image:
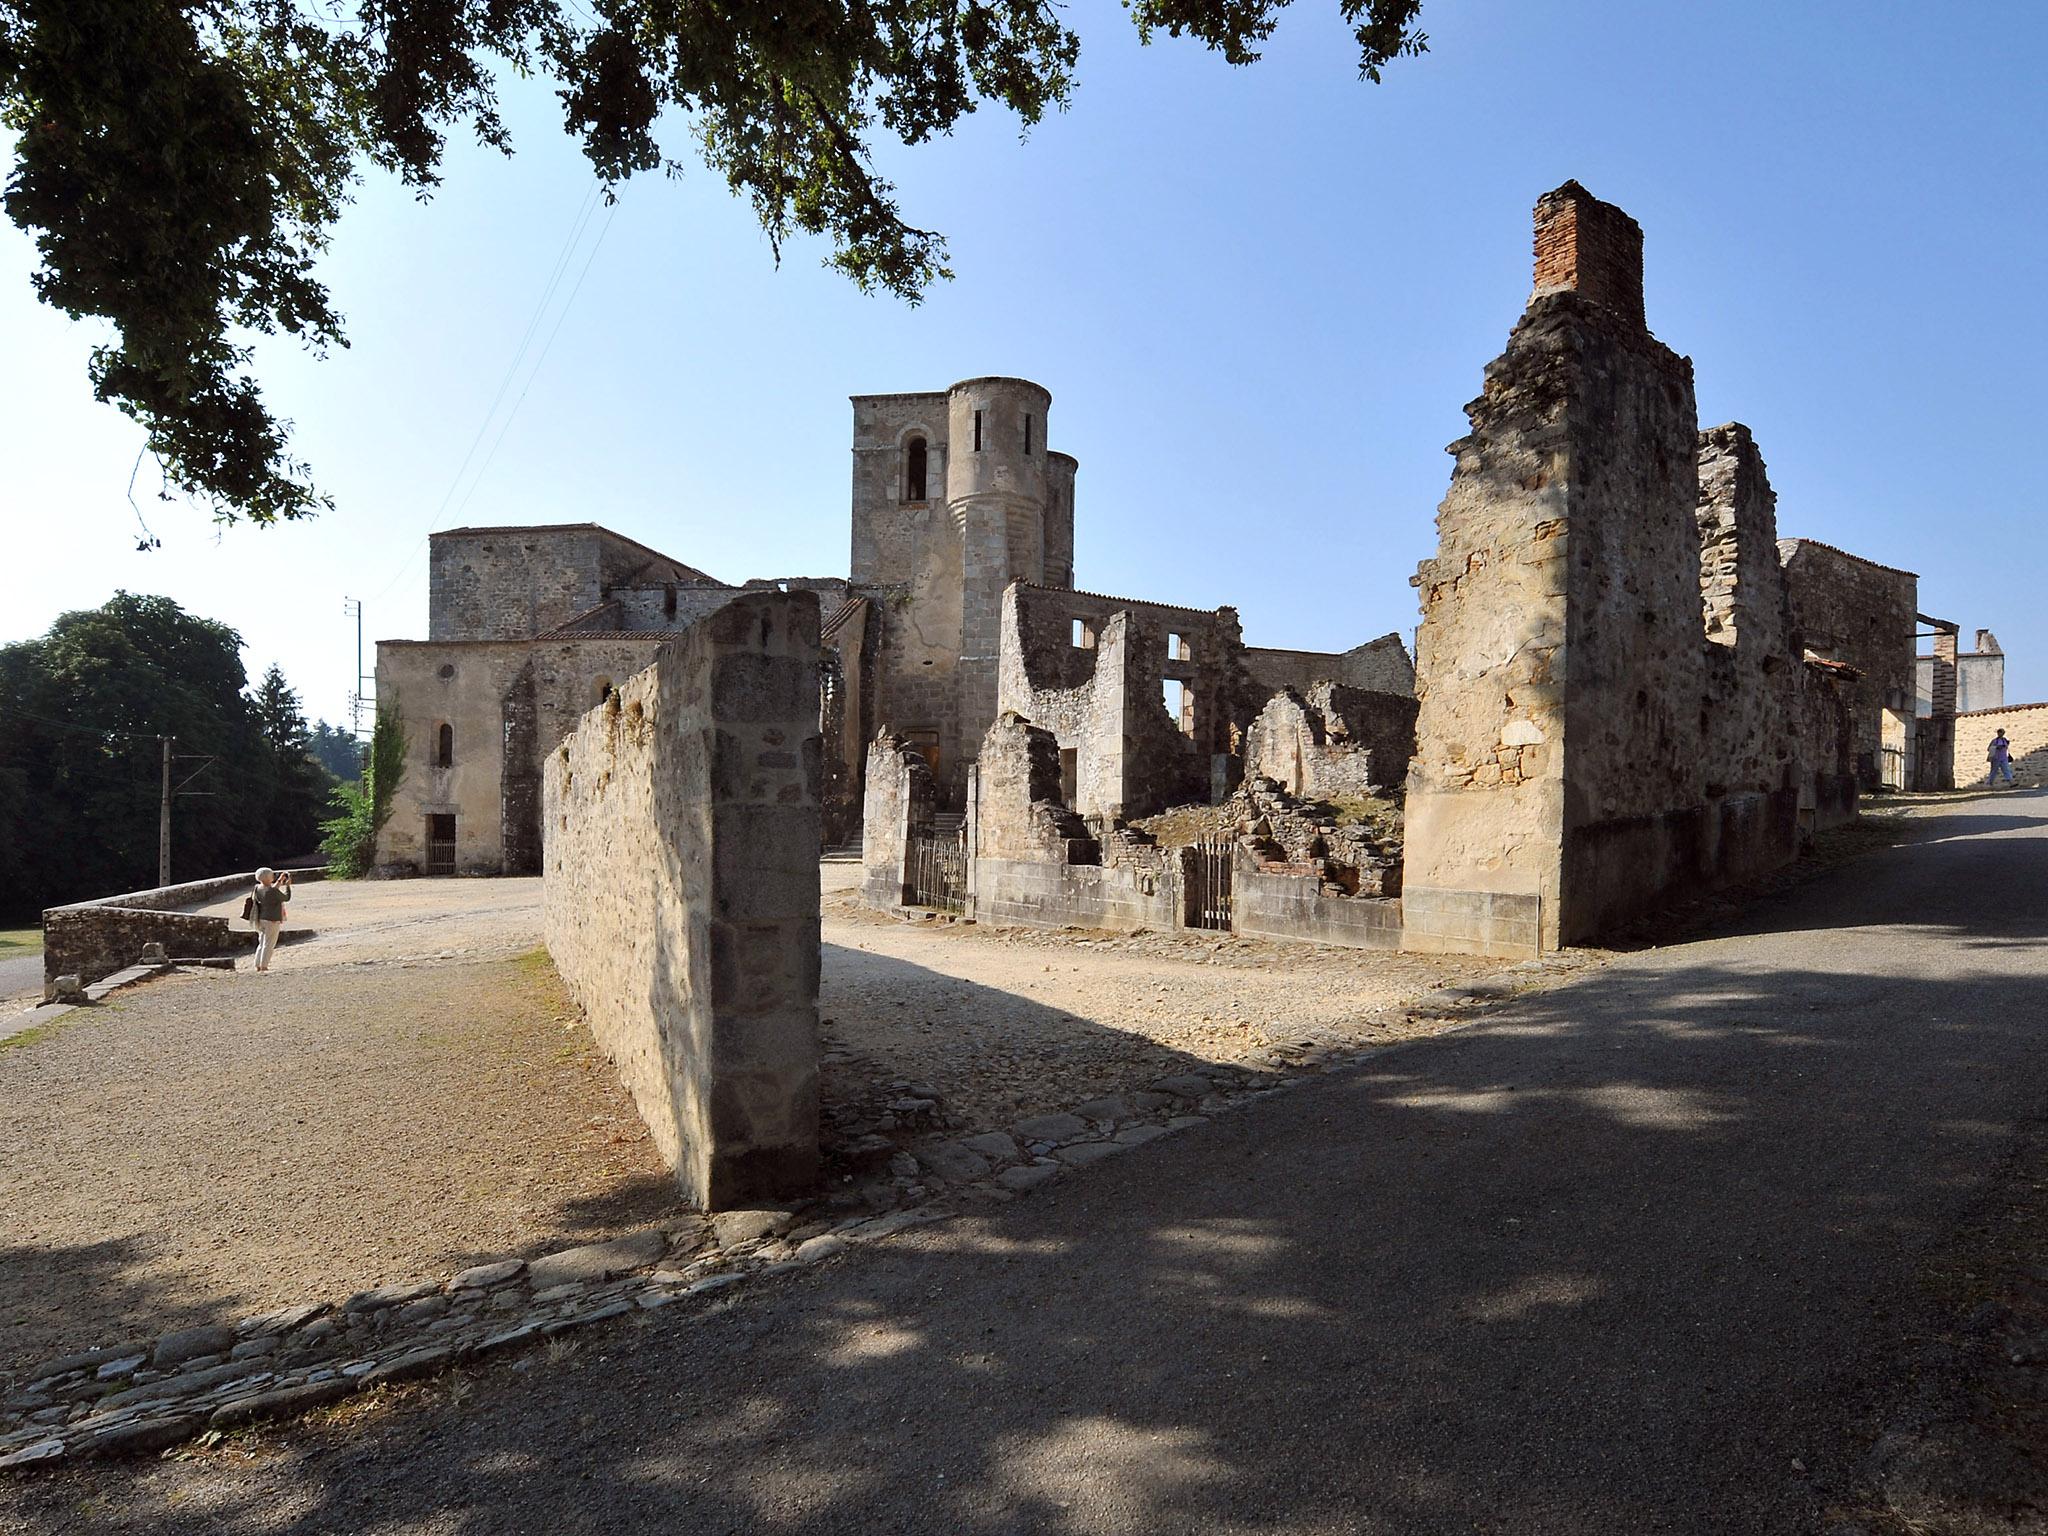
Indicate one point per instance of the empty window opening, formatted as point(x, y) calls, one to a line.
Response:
point(1084, 637)
point(1027, 433)
point(1070, 775)
point(914, 457)
point(668, 601)
point(1178, 649)
point(444, 747)
point(1180, 704)
point(600, 690)
point(977, 431)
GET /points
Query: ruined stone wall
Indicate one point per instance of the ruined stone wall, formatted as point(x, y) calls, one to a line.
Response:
point(1827, 733)
point(1059, 520)
point(514, 583)
point(665, 606)
point(1378, 666)
point(1581, 740)
point(898, 804)
point(2025, 726)
point(1105, 697)
point(1858, 612)
point(1019, 812)
point(1337, 741)
point(681, 895)
point(1752, 739)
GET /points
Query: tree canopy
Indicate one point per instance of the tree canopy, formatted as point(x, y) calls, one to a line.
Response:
point(82, 711)
point(179, 163)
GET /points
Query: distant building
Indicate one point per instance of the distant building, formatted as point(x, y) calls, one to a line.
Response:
point(1979, 674)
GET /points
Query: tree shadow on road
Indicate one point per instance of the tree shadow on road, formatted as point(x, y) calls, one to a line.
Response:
point(1629, 1256)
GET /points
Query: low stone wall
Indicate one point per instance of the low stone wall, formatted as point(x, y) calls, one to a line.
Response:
point(92, 939)
point(681, 828)
point(1436, 920)
point(1035, 893)
point(1267, 905)
point(2025, 726)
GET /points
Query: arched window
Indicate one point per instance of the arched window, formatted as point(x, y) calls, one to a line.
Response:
point(600, 691)
point(444, 747)
point(913, 470)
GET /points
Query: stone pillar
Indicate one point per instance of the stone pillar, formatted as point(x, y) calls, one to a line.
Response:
point(1942, 691)
point(681, 894)
point(900, 799)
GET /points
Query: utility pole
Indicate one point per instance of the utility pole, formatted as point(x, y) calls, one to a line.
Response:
point(354, 605)
point(163, 820)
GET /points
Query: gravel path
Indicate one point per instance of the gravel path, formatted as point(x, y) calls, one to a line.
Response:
point(1632, 1255)
point(209, 1146)
point(402, 1096)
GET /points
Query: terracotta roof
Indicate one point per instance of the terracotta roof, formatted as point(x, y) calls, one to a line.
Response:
point(1105, 597)
point(1839, 668)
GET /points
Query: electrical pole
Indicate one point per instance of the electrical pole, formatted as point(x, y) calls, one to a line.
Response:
point(163, 820)
point(354, 605)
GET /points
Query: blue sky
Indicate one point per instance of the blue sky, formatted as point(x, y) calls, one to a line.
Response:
point(1260, 298)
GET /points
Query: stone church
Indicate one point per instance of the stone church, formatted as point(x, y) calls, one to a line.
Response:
point(957, 497)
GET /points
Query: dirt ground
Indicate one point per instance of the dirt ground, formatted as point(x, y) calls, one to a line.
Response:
point(403, 1094)
point(209, 1146)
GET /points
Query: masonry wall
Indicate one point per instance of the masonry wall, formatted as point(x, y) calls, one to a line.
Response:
point(1296, 908)
point(1606, 714)
point(1335, 741)
point(681, 895)
point(512, 583)
point(1378, 666)
point(1865, 615)
point(898, 804)
point(2025, 726)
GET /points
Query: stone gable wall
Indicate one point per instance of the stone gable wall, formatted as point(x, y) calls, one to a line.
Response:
point(681, 894)
point(1865, 615)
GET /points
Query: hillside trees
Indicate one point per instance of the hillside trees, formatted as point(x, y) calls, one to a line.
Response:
point(83, 709)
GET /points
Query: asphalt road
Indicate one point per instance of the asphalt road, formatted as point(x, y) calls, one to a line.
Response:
point(1633, 1255)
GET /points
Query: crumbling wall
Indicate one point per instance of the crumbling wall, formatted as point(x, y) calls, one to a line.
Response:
point(1335, 741)
point(897, 805)
point(1607, 719)
point(681, 894)
point(2025, 726)
point(1378, 666)
point(1018, 810)
point(1864, 615)
point(1035, 863)
point(1827, 733)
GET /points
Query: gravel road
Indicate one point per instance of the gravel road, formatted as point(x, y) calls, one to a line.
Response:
point(1632, 1255)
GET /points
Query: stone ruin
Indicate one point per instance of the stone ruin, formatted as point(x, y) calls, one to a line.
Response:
point(1627, 689)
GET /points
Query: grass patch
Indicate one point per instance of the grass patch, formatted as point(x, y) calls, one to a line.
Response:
point(19, 943)
point(40, 1032)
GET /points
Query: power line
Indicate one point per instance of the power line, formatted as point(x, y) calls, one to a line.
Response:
point(578, 224)
point(563, 314)
point(89, 730)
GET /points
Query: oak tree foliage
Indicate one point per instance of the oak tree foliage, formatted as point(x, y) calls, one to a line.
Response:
point(180, 163)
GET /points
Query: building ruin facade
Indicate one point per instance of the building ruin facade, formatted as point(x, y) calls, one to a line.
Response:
point(1628, 690)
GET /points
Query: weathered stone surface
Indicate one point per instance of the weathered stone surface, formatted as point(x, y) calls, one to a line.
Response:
point(390, 1296)
point(744, 1226)
point(1110, 1110)
point(953, 1162)
point(140, 1437)
point(483, 1276)
point(1057, 1127)
point(681, 894)
point(128, 1365)
point(90, 1359)
point(283, 1320)
point(30, 1455)
point(189, 1343)
point(1138, 1135)
point(994, 1146)
point(1186, 1086)
point(817, 1248)
point(280, 1400)
point(417, 1362)
point(597, 1261)
point(178, 1386)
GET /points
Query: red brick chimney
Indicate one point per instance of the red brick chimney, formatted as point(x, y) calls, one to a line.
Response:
point(1590, 248)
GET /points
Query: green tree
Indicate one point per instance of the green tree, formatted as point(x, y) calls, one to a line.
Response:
point(83, 711)
point(337, 751)
point(180, 162)
point(299, 785)
point(362, 809)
